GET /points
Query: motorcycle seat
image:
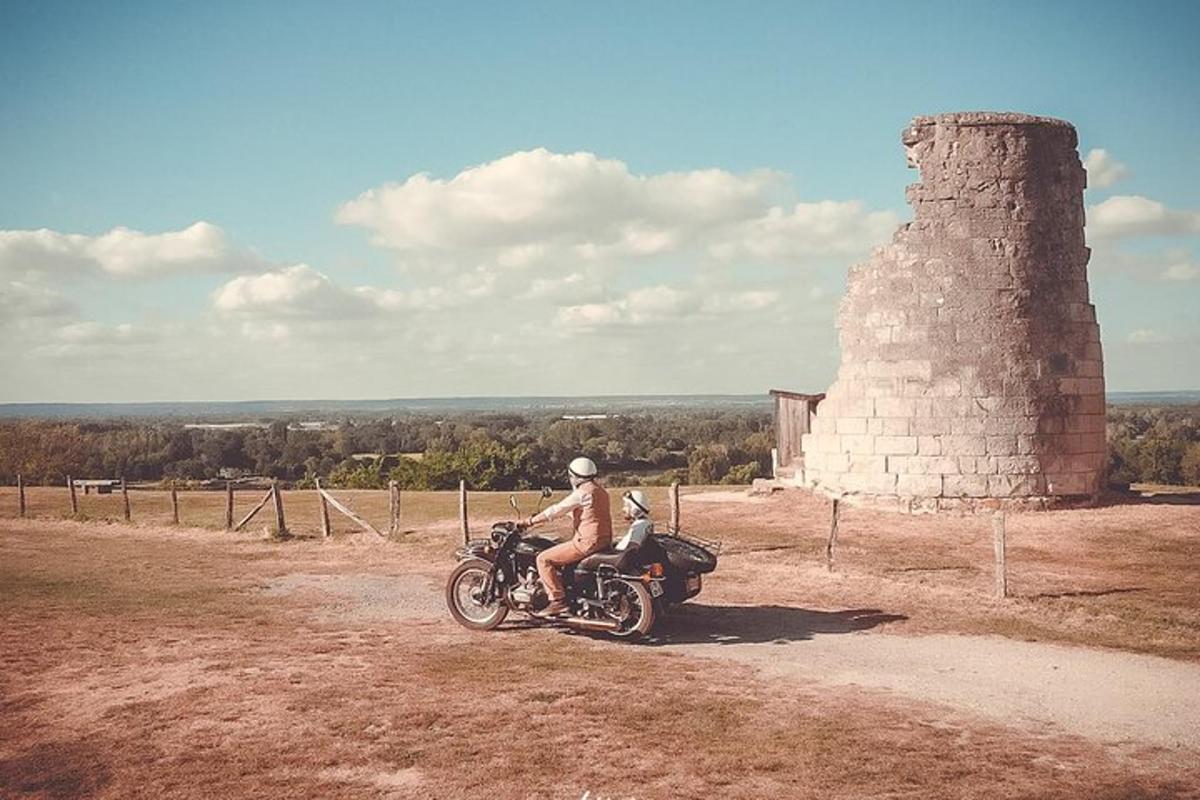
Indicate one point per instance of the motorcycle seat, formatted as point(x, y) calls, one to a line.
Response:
point(610, 558)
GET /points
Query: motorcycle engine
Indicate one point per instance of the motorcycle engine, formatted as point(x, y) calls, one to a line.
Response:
point(527, 590)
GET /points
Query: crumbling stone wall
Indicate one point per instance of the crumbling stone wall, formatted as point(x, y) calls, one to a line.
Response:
point(971, 363)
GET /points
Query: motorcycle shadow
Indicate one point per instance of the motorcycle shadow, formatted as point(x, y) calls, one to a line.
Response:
point(696, 623)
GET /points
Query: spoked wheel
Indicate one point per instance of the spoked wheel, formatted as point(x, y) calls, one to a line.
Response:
point(631, 606)
point(464, 592)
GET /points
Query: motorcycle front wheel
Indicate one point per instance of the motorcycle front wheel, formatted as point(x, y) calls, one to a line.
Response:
point(463, 591)
point(630, 604)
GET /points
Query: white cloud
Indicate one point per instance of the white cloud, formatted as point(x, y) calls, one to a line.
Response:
point(295, 292)
point(20, 300)
point(536, 197)
point(806, 230)
point(1147, 336)
point(1125, 216)
point(122, 252)
point(1102, 169)
point(660, 304)
point(1181, 270)
point(542, 207)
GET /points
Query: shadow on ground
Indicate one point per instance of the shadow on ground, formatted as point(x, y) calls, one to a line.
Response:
point(696, 623)
point(1150, 497)
point(55, 770)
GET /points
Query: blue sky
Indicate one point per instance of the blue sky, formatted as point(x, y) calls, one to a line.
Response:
point(264, 120)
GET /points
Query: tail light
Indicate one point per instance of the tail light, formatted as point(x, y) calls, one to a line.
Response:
point(655, 571)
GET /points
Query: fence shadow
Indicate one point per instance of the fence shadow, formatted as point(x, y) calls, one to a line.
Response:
point(1085, 593)
point(696, 623)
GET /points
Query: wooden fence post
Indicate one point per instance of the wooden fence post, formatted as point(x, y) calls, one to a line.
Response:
point(394, 507)
point(20, 495)
point(362, 523)
point(833, 532)
point(228, 505)
point(280, 524)
point(125, 499)
point(1000, 546)
point(673, 497)
point(462, 511)
point(326, 528)
point(74, 498)
point(174, 504)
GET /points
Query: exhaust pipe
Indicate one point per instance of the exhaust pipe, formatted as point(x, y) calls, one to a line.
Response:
point(592, 624)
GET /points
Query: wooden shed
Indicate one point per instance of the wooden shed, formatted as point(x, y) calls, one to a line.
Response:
point(793, 416)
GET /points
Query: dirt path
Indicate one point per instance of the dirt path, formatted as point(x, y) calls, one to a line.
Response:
point(1107, 696)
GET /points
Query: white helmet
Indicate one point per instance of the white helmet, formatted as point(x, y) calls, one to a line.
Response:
point(636, 504)
point(582, 469)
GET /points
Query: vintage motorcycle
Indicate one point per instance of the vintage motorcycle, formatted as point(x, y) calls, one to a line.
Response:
point(620, 591)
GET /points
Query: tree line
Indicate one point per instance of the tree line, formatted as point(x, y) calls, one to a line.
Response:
point(492, 451)
point(496, 451)
point(1154, 444)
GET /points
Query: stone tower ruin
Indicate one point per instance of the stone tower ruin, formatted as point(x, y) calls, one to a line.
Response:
point(971, 364)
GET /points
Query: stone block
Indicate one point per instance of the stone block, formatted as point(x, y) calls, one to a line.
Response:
point(929, 446)
point(1085, 423)
point(1070, 483)
point(919, 485)
point(1018, 465)
point(1015, 485)
point(1001, 445)
point(896, 445)
point(857, 407)
point(965, 486)
point(964, 445)
point(852, 425)
point(856, 445)
point(895, 407)
point(967, 425)
point(865, 463)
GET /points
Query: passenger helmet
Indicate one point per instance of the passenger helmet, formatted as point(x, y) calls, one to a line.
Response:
point(636, 504)
point(582, 469)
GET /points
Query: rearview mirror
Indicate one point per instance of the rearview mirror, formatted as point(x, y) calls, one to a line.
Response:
point(546, 492)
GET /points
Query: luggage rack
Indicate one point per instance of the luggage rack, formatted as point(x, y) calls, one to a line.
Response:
point(711, 546)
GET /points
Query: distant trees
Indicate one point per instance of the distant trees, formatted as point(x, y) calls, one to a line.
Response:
point(1154, 445)
point(496, 451)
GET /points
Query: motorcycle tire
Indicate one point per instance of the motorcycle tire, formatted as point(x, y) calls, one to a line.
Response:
point(645, 620)
point(472, 572)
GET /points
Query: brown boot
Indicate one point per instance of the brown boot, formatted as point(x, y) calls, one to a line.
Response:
point(555, 609)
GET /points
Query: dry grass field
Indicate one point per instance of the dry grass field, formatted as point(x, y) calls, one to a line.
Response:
point(146, 660)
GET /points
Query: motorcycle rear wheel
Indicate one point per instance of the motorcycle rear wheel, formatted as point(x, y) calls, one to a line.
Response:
point(639, 604)
point(468, 577)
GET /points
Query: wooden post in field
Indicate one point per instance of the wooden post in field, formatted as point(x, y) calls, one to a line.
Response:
point(280, 525)
point(393, 507)
point(462, 511)
point(270, 495)
point(998, 542)
point(125, 498)
point(673, 498)
point(74, 498)
point(174, 504)
point(228, 505)
point(833, 531)
point(326, 528)
point(20, 495)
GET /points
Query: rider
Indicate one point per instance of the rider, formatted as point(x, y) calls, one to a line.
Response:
point(592, 523)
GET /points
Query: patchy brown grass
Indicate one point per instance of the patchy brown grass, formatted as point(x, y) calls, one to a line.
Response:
point(148, 662)
point(1121, 576)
